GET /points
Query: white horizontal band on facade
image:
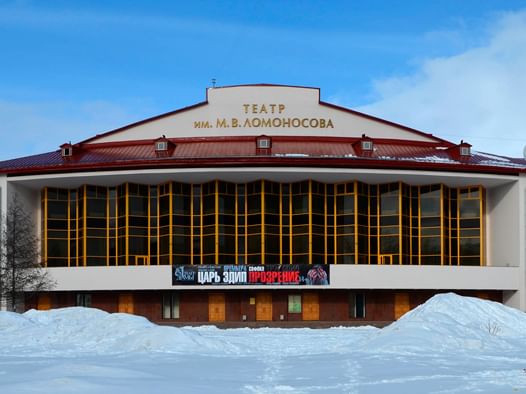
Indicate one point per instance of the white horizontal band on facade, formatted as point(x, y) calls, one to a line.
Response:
point(342, 277)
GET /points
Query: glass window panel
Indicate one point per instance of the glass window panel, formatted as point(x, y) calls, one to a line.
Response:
point(430, 206)
point(294, 305)
point(357, 305)
point(389, 205)
point(469, 246)
point(254, 244)
point(300, 203)
point(318, 203)
point(345, 204)
point(57, 224)
point(469, 208)
point(426, 231)
point(430, 245)
point(96, 246)
point(389, 245)
point(430, 260)
point(57, 247)
point(391, 230)
point(300, 244)
point(96, 208)
point(57, 209)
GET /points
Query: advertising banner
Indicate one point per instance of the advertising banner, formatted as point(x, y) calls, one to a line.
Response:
point(272, 274)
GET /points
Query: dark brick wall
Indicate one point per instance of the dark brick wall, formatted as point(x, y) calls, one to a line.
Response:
point(334, 304)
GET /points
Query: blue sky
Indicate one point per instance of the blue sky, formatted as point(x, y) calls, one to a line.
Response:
point(69, 70)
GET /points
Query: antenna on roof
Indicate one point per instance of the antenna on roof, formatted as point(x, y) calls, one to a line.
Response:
point(213, 82)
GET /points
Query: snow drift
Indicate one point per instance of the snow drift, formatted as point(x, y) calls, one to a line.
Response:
point(449, 323)
point(80, 329)
point(445, 323)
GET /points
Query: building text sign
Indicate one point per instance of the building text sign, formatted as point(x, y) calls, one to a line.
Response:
point(265, 115)
point(271, 274)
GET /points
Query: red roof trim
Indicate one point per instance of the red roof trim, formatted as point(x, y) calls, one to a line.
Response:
point(272, 161)
point(283, 138)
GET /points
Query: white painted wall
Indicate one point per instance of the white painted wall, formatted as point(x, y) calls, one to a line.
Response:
point(502, 225)
point(228, 103)
point(341, 277)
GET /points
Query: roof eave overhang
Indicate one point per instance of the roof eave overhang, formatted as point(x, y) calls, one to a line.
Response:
point(268, 161)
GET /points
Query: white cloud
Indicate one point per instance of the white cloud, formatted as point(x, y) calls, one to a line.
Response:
point(478, 95)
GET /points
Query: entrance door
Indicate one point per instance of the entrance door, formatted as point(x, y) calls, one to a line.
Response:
point(44, 302)
point(401, 305)
point(311, 306)
point(216, 307)
point(264, 306)
point(126, 303)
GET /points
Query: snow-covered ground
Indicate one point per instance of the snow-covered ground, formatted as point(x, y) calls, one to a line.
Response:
point(451, 344)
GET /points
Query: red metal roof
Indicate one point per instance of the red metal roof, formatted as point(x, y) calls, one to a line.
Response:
point(285, 151)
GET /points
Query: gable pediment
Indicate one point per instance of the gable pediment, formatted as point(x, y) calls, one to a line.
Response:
point(263, 109)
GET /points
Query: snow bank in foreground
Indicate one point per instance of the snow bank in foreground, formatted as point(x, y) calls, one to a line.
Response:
point(446, 323)
point(92, 330)
point(449, 323)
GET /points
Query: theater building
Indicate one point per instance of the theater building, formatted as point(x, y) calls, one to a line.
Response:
point(264, 205)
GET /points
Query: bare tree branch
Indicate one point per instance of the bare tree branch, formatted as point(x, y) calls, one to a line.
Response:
point(20, 266)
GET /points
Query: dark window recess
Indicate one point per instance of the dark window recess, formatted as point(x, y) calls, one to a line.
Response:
point(171, 306)
point(84, 300)
point(357, 305)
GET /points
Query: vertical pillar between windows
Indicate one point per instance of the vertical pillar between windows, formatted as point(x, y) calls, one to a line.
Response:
point(291, 252)
point(419, 226)
point(107, 226)
point(216, 220)
point(482, 198)
point(170, 223)
point(245, 203)
point(458, 225)
point(335, 223)
point(126, 222)
point(201, 225)
point(442, 240)
point(400, 223)
point(45, 197)
point(309, 208)
point(325, 242)
point(355, 196)
point(280, 210)
point(84, 226)
point(236, 223)
point(262, 221)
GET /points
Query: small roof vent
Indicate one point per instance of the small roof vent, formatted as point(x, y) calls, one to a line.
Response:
point(163, 146)
point(461, 152)
point(263, 145)
point(66, 150)
point(364, 146)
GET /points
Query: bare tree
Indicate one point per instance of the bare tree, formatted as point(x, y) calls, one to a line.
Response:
point(20, 268)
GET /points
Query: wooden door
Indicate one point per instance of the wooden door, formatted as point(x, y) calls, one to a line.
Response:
point(126, 303)
point(311, 306)
point(216, 307)
point(44, 302)
point(264, 306)
point(401, 305)
point(483, 295)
